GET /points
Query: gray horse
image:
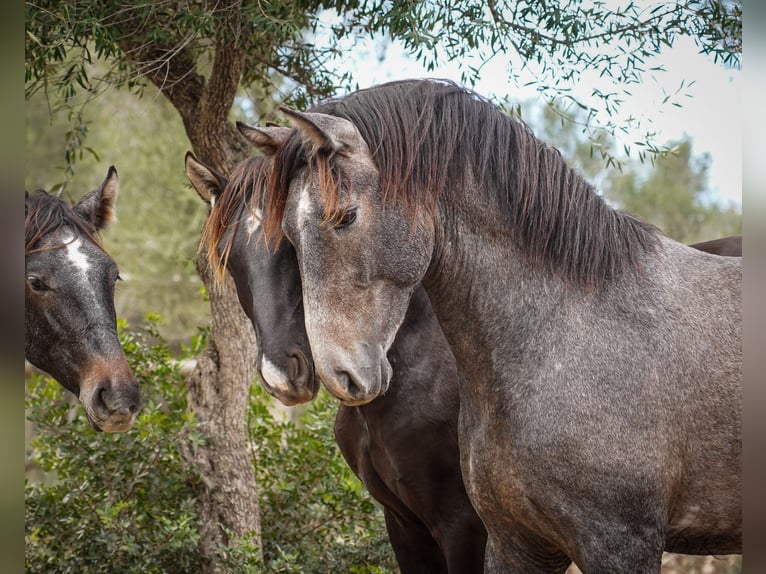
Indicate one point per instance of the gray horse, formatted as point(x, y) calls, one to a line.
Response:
point(600, 361)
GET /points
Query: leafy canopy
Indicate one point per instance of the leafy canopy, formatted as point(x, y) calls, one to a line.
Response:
point(295, 46)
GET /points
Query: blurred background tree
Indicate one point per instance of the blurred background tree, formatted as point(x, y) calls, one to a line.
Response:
point(673, 195)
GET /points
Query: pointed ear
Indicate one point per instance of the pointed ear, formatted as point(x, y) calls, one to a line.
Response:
point(98, 207)
point(323, 132)
point(208, 183)
point(266, 139)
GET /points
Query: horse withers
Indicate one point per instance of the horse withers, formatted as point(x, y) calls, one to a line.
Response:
point(600, 397)
point(70, 328)
point(402, 446)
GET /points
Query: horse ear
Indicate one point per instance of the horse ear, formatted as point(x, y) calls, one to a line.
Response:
point(208, 183)
point(324, 132)
point(98, 206)
point(266, 139)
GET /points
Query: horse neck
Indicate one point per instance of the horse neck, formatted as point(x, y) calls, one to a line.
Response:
point(484, 291)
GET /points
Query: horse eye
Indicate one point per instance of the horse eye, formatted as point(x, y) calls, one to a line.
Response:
point(35, 283)
point(348, 218)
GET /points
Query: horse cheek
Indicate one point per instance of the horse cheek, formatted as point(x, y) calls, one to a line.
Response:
point(405, 252)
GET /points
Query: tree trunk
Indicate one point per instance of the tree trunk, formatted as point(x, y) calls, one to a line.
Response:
point(218, 395)
point(218, 389)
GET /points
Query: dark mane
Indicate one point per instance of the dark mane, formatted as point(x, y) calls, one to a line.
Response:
point(245, 188)
point(427, 137)
point(46, 213)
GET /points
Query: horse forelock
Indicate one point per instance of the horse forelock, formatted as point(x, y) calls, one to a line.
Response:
point(334, 186)
point(243, 194)
point(46, 214)
point(430, 139)
point(288, 160)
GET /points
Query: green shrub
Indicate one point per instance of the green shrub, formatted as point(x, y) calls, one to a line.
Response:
point(116, 502)
point(124, 502)
point(315, 514)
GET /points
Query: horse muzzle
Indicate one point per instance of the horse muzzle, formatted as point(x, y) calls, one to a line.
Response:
point(292, 384)
point(355, 386)
point(111, 405)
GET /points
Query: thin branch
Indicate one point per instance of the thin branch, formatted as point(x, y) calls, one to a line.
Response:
point(536, 35)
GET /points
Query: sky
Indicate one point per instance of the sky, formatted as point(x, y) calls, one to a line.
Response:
point(711, 116)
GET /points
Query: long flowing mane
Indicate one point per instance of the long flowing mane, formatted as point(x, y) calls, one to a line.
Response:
point(427, 137)
point(45, 214)
point(244, 191)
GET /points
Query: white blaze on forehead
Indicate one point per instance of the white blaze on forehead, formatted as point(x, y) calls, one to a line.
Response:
point(77, 256)
point(275, 377)
point(254, 221)
point(304, 206)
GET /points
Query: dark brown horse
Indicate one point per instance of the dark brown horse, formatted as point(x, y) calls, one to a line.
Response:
point(402, 446)
point(600, 393)
point(729, 246)
point(70, 326)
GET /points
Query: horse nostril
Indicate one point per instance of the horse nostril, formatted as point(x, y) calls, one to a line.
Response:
point(298, 369)
point(103, 397)
point(134, 403)
point(353, 389)
point(300, 375)
point(117, 401)
point(293, 366)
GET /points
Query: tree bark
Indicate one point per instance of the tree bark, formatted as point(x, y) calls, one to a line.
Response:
point(218, 393)
point(218, 388)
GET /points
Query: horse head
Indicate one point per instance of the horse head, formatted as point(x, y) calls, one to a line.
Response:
point(70, 319)
point(360, 258)
point(268, 284)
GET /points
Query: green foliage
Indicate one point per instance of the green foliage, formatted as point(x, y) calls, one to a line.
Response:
point(124, 502)
point(116, 502)
point(315, 514)
point(64, 39)
point(292, 48)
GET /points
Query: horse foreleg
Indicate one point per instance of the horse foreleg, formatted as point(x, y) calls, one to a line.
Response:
point(515, 553)
point(637, 554)
point(415, 550)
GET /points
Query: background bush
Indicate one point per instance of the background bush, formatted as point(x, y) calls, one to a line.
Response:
point(124, 502)
point(315, 514)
